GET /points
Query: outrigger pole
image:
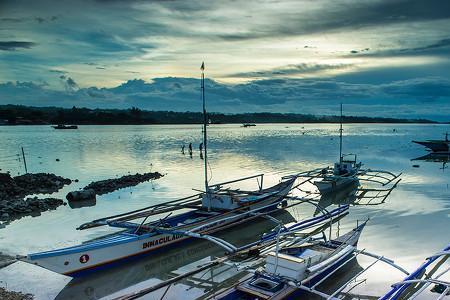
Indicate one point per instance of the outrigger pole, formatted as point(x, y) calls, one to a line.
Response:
point(205, 122)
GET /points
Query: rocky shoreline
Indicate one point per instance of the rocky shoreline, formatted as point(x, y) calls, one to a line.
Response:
point(110, 185)
point(13, 190)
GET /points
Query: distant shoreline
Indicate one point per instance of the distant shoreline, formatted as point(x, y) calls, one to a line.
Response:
point(257, 124)
point(11, 115)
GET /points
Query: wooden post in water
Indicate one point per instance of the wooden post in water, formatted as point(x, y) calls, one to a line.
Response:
point(24, 161)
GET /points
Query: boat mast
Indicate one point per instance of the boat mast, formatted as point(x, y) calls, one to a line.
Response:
point(340, 139)
point(205, 121)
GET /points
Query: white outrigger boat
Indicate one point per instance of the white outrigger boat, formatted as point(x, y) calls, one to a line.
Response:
point(344, 172)
point(296, 267)
point(212, 210)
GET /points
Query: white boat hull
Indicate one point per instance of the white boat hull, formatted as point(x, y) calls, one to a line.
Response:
point(334, 184)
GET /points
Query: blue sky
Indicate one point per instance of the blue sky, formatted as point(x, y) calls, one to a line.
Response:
point(378, 57)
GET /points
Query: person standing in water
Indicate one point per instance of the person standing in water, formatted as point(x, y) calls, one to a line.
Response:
point(182, 149)
point(190, 149)
point(200, 148)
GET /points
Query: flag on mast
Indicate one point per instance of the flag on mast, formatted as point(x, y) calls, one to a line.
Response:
point(203, 66)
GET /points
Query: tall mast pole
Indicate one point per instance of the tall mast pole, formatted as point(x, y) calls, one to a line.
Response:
point(340, 139)
point(205, 122)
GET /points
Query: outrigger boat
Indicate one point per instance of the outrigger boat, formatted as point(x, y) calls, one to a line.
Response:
point(280, 234)
point(436, 145)
point(212, 210)
point(62, 126)
point(415, 284)
point(294, 269)
point(344, 172)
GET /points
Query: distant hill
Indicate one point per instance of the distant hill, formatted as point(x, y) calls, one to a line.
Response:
point(27, 115)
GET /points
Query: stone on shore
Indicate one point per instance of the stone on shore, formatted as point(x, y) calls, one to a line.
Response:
point(13, 190)
point(83, 195)
point(10, 295)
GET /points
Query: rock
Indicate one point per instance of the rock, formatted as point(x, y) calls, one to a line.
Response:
point(9, 295)
point(20, 186)
point(109, 185)
point(87, 194)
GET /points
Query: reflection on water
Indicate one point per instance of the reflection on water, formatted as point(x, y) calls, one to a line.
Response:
point(442, 158)
point(82, 203)
point(417, 212)
point(345, 195)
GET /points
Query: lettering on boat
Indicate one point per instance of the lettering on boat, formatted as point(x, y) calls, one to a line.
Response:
point(84, 258)
point(161, 240)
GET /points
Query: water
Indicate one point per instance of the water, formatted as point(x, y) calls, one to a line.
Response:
point(413, 222)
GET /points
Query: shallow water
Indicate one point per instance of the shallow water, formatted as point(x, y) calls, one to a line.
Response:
point(413, 222)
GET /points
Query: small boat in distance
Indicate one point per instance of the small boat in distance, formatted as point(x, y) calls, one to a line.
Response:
point(248, 124)
point(62, 126)
point(295, 269)
point(436, 145)
point(344, 172)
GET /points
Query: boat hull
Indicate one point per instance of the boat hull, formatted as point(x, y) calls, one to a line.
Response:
point(435, 146)
point(81, 260)
point(328, 186)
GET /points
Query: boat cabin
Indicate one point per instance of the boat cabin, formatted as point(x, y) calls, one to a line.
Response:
point(293, 262)
point(346, 166)
point(220, 201)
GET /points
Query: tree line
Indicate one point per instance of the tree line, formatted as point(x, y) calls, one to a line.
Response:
point(23, 115)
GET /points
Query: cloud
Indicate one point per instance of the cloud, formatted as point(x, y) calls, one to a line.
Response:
point(291, 70)
point(11, 20)
point(245, 39)
point(315, 96)
point(69, 84)
point(15, 45)
point(445, 43)
point(440, 48)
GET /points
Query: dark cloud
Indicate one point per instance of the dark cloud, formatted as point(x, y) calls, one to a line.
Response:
point(58, 71)
point(438, 48)
point(69, 84)
point(291, 95)
point(337, 16)
point(15, 45)
point(445, 43)
point(40, 20)
point(12, 20)
point(424, 89)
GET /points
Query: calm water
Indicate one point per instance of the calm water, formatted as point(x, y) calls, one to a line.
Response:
point(411, 224)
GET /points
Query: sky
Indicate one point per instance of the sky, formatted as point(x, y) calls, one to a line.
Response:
point(380, 57)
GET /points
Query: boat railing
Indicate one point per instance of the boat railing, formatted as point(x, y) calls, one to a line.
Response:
point(260, 183)
point(352, 158)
